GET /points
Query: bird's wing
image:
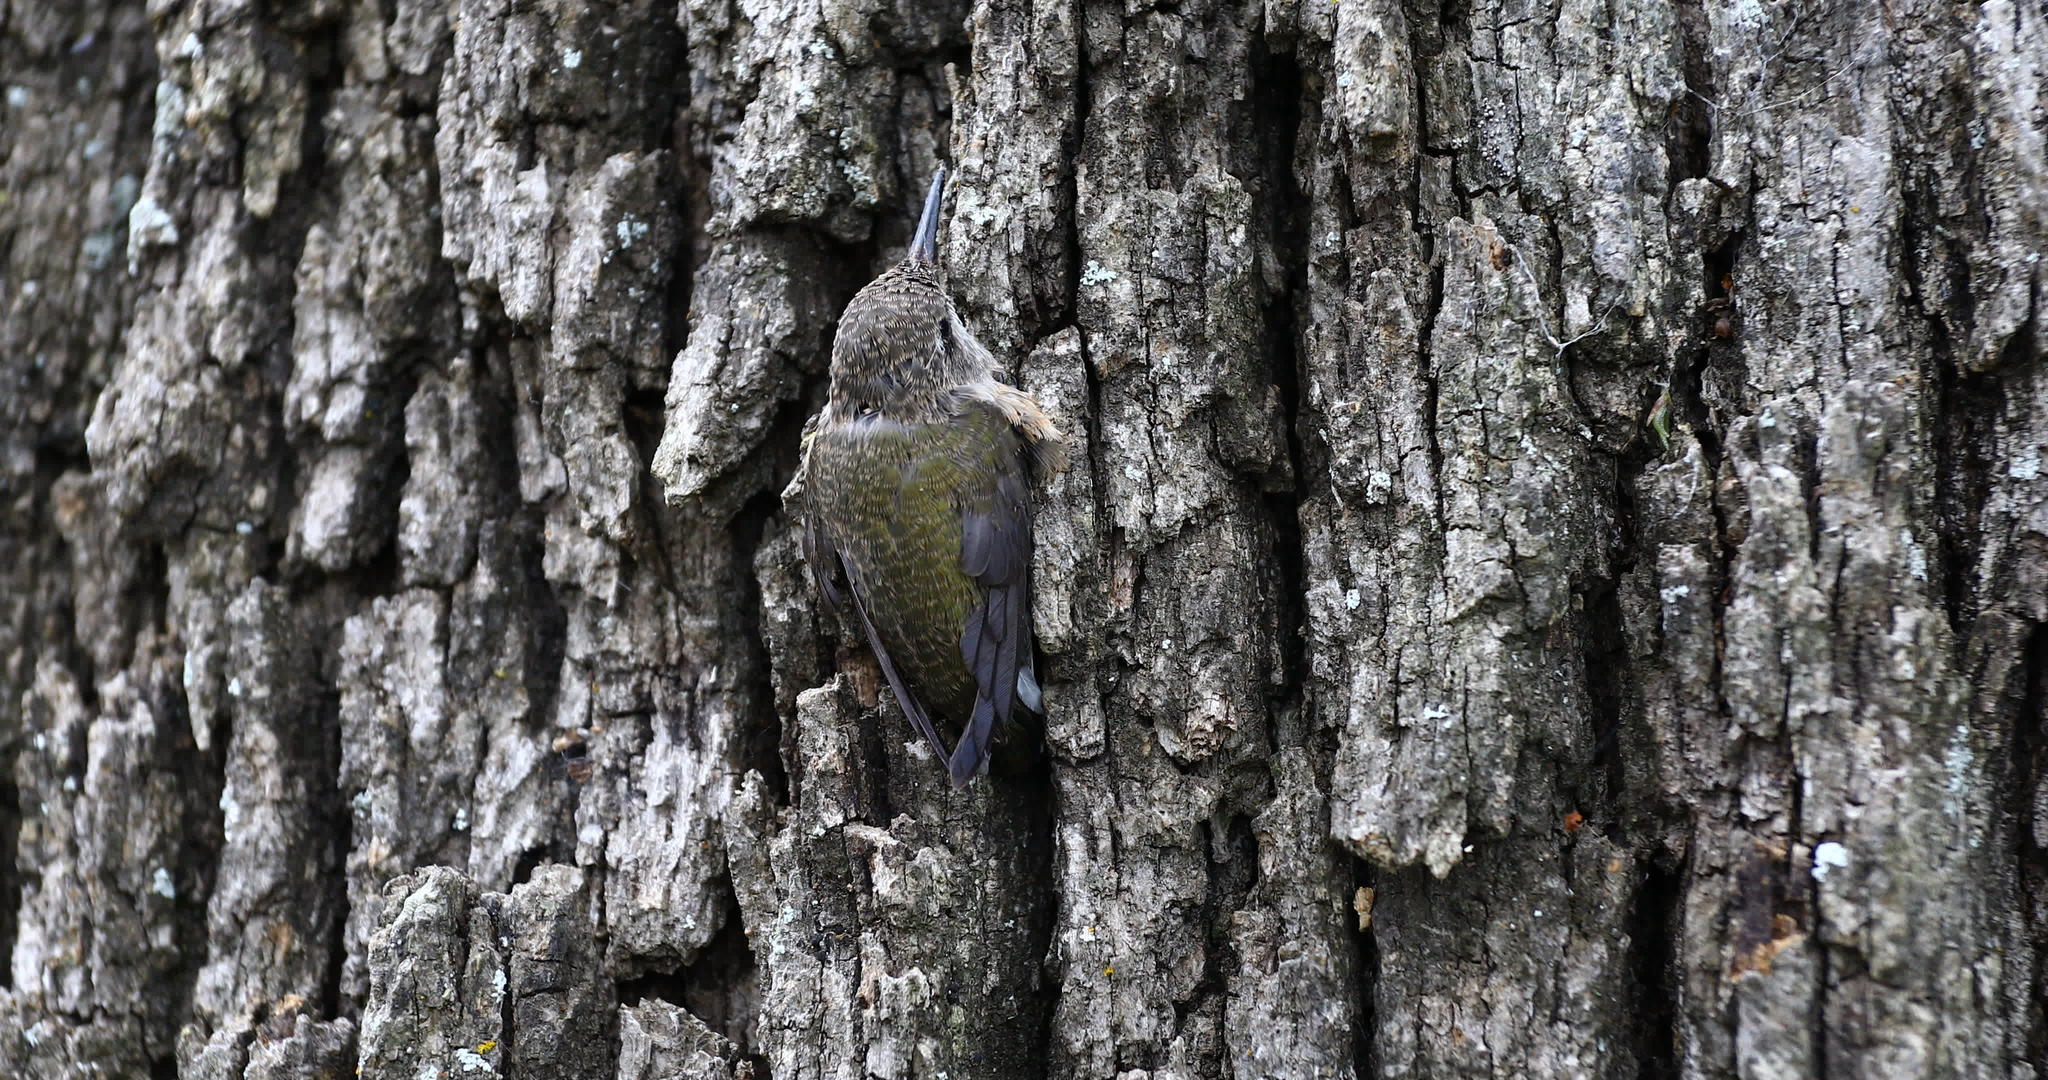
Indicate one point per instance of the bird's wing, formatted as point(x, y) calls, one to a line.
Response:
point(822, 556)
point(995, 550)
point(827, 562)
point(905, 700)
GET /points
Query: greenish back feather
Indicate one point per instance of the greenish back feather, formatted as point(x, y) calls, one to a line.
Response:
point(891, 498)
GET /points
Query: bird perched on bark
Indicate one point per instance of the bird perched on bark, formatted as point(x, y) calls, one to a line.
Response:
point(918, 487)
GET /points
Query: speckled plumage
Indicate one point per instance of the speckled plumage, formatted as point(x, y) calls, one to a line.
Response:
point(917, 478)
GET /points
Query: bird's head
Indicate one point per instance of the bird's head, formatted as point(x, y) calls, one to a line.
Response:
point(898, 350)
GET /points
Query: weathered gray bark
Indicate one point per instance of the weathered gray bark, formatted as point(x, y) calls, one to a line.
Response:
point(1553, 579)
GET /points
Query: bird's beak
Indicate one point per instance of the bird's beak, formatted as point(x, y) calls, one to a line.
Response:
point(924, 247)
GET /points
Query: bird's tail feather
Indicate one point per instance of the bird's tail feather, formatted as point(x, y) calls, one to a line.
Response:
point(1027, 689)
point(970, 754)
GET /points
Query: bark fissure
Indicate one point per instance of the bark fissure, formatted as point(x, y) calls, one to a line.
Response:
point(1605, 658)
point(2026, 791)
point(1962, 424)
point(10, 880)
point(1276, 93)
point(1365, 1036)
point(1652, 932)
point(338, 828)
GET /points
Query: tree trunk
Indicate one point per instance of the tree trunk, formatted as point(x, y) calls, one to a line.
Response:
point(1552, 579)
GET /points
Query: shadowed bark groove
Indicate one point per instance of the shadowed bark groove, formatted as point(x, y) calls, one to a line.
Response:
point(1552, 579)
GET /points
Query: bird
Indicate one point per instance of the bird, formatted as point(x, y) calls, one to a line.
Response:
point(918, 476)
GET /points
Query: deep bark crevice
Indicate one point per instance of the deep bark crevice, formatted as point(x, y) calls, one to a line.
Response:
point(1431, 392)
point(1688, 146)
point(10, 877)
point(640, 417)
point(339, 830)
point(53, 459)
point(2023, 798)
point(761, 744)
point(334, 817)
point(531, 859)
point(1277, 115)
point(280, 242)
point(1365, 1053)
point(508, 999)
point(721, 986)
point(1063, 310)
point(1653, 956)
point(510, 539)
point(1041, 990)
point(1718, 313)
point(1963, 426)
point(1688, 403)
point(671, 985)
point(1823, 981)
point(690, 196)
point(1232, 859)
point(1604, 654)
point(202, 776)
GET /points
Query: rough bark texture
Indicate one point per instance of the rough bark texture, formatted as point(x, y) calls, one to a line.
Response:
point(1552, 582)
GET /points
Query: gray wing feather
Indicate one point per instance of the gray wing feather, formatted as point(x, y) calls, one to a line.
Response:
point(823, 559)
point(995, 550)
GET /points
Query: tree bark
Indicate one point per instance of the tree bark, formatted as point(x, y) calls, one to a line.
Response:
point(1552, 578)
